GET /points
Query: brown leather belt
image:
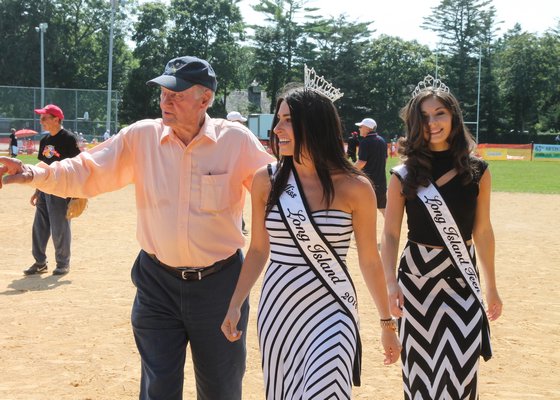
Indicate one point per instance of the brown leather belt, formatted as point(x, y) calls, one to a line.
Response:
point(195, 273)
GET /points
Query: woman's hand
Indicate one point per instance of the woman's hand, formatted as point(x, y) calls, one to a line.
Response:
point(494, 304)
point(391, 346)
point(396, 299)
point(229, 326)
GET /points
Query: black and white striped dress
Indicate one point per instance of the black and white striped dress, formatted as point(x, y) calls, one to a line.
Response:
point(307, 340)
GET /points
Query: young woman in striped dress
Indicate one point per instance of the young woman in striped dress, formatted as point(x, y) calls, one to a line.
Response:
point(443, 325)
point(308, 336)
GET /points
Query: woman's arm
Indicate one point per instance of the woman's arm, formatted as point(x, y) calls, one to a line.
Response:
point(256, 257)
point(483, 236)
point(364, 222)
point(390, 243)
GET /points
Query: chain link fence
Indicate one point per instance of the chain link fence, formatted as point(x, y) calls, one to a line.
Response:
point(85, 110)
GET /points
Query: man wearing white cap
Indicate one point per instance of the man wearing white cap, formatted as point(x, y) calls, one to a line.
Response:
point(372, 158)
point(235, 116)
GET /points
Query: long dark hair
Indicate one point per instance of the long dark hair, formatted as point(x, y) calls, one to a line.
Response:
point(318, 130)
point(414, 149)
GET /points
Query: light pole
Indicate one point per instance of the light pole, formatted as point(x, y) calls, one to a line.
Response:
point(42, 28)
point(438, 47)
point(478, 95)
point(437, 53)
point(110, 74)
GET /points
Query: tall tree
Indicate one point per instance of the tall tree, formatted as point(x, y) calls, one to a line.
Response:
point(522, 76)
point(279, 44)
point(489, 104)
point(548, 103)
point(213, 30)
point(338, 53)
point(462, 26)
point(391, 70)
point(150, 33)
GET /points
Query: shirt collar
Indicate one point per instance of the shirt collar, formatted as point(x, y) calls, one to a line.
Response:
point(208, 130)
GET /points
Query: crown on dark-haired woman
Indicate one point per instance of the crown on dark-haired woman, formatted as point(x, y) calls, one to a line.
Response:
point(430, 83)
point(319, 84)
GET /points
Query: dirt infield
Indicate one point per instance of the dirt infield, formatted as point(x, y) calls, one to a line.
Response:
point(70, 337)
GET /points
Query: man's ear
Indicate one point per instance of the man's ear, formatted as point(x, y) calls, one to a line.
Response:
point(206, 97)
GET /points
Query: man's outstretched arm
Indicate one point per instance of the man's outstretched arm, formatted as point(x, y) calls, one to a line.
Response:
point(13, 170)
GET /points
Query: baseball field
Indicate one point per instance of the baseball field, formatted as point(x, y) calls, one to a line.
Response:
point(70, 337)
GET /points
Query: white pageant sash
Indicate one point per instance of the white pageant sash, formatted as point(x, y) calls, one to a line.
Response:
point(320, 255)
point(449, 231)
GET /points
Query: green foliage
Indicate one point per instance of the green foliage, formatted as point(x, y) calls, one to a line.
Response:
point(519, 75)
point(463, 26)
point(281, 46)
point(213, 30)
point(75, 43)
point(519, 65)
point(340, 54)
point(392, 67)
point(139, 100)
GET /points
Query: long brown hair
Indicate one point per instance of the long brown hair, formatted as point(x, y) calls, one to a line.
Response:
point(318, 130)
point(414, 149)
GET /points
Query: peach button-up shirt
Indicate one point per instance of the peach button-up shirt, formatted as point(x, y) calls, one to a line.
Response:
point(189, 199)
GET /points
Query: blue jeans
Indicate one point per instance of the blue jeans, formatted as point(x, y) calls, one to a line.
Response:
point(168, 313)
point(50, 220)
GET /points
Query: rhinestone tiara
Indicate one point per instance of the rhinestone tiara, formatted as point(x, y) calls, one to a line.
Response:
point(318, 84)
point(430, 82)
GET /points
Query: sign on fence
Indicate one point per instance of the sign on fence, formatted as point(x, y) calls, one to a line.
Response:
point(488, 151)
point(546, 152)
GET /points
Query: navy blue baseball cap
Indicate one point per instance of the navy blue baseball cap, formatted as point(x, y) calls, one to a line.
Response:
point(182, 73)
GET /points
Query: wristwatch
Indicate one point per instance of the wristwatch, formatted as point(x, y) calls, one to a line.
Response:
point(390, 323)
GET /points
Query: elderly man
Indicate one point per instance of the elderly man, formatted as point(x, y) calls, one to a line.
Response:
point(372, 159)
point(50, 209)
point(189, 171)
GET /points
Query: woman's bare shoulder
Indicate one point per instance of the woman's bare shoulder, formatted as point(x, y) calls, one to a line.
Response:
point(353, 190)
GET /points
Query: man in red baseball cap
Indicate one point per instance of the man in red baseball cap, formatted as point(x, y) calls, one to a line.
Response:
point(51, 109)
point(50, 213)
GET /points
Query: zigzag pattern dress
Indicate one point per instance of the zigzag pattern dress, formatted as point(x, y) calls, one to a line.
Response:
point(441, 327)
point(307, 340)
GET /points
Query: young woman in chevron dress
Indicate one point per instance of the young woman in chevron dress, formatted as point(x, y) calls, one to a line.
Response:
point(307, 338)
point(441, 320)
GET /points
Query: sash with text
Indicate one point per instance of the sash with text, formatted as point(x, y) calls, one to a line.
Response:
point(443, 220)
point(320, 255)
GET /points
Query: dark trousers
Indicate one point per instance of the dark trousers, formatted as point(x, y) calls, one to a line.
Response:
point(168, 313)
point(50, 220)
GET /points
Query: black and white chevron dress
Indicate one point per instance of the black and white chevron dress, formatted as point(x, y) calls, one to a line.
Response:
point(307, 340)
point(441, 327)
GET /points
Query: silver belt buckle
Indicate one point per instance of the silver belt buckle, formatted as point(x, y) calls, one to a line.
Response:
point(185, 272)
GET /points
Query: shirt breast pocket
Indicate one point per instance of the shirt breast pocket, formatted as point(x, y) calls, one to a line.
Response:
point(215, 193)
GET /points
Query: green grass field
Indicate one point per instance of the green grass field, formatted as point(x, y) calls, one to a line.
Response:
point(519, 176)
point(507, 176)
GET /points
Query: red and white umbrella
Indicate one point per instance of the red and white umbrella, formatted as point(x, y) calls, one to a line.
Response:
point(23, 133)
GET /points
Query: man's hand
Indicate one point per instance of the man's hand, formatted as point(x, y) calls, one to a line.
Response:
point(15, 171)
